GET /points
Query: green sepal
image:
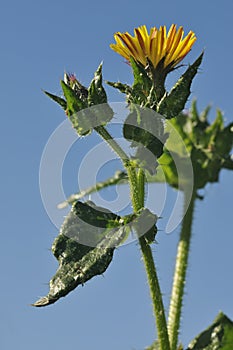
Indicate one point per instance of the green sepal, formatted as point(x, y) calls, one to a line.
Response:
point(99, 112)
point(139, 91)
point(79, 262)
point(172, 104)
point(124, 88)
point(86, 108)
point(218, 336)
point(142, 83)
point(151, 101)
point(96, 93)
point(145, 129)
point(74, 104)
point(80, 90)
point(57, 99)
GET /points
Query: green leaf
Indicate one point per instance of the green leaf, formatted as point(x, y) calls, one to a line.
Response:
point(57, 99)
point(145, 129)
point(78, 262)
point(85, 245)
point(144, 224)
point(172, 104)
point(219, 336)
point(208, 146)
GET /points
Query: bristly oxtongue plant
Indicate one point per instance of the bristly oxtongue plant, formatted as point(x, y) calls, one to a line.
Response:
point(154, 115)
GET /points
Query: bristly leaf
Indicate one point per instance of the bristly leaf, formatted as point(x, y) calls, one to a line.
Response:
point(57, 99)
point(145, 225)
point(172, 104)
point(145, 129)
point(209, 147)
point(79, 262)
point(85, 245)
point(218, 336)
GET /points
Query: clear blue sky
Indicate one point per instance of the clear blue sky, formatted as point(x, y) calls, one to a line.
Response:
point(39, 40)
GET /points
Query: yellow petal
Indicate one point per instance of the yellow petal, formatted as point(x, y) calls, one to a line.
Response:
point(157, 45)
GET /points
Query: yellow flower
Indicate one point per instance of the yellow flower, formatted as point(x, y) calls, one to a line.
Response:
point(164, 50)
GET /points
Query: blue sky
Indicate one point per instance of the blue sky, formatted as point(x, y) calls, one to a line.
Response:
point(39, 40)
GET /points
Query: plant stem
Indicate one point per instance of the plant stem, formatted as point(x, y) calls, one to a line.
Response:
point(156, 295)
point(137, 192)
point(179, 277)
point(132, 175)
point(112, 143)
point(153, 282)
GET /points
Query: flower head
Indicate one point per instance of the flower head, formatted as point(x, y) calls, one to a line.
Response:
point(164, 50)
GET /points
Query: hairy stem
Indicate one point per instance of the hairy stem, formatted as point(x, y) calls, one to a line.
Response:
point(156, 295)
point(137, 192)
point(131, 171)
point(112, 143)
point(179, 278)
point(152, 278)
